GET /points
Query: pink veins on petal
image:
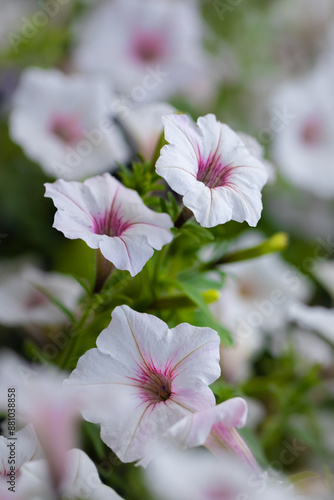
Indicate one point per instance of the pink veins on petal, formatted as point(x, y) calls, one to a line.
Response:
point(155, 385)
point(212, 172)
point(67, 127)
point(111, 223)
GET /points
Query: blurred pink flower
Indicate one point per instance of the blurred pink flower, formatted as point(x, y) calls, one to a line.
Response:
point(164, 375)
point(303, 113)
point(212, 168)
point(146, 48)
point(108, 216)
point(61, 122)
point(22, 303)
point(215, 429)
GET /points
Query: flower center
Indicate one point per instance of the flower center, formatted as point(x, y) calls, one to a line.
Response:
point(111, 223)
point(312, 132)
point(155, 386)
point(222, 493)
point(67, 128)
point(36, 299)
point(149, 47)
point(212, 172)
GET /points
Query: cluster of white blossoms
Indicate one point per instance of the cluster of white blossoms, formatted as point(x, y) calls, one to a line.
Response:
point(142, 381)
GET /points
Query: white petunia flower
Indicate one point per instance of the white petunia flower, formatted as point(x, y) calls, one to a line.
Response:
point(62, 122)
point(303, 146)
point(212, 168)
point(215, 429)
point(146, 48)
point(164, 375)
point(23, 303)
point(108, 216)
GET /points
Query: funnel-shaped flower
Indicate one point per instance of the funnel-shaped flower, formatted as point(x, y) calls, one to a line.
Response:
point(215, 429)
point(164, 375)
point(212, 168)
point(108, 216)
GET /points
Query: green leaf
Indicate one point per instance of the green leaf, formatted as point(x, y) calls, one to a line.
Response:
point(56, 302)
point(197, 232)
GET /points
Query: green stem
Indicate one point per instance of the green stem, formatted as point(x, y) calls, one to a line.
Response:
point(77, 329)
point(104, 268)
point(183, 217)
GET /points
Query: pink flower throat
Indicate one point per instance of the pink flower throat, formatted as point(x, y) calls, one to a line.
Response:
point(155, 385)
point(212, 172)
point(67, 127)
point(111, 223)
point(149, 46)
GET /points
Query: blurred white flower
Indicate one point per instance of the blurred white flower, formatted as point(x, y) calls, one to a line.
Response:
point(303, 145)
point(149, 49)
point(108, 216)
point(164, 375)
point(25, 447)
point(200, 476)
point(42, 399)
point(80, 480)
point(144, 123)
point(212, 168)
point(63, 123)
point(325, 274)
point(318, 319)
point(214, 428)
point(13, 22)
point(254, 301)
point(299, 28)
point(312, 321)
point(23, 303)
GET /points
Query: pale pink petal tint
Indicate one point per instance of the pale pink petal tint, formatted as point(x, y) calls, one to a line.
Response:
point(163, 374)
point(149, 46)
point(67, 128)
point(213, 169)
point(110, 217)
point(215, 429)
point(313, 131)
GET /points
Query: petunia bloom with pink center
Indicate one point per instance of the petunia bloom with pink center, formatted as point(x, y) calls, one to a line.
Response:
point(164, 375)
point(110, 217)
point(213, 169)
